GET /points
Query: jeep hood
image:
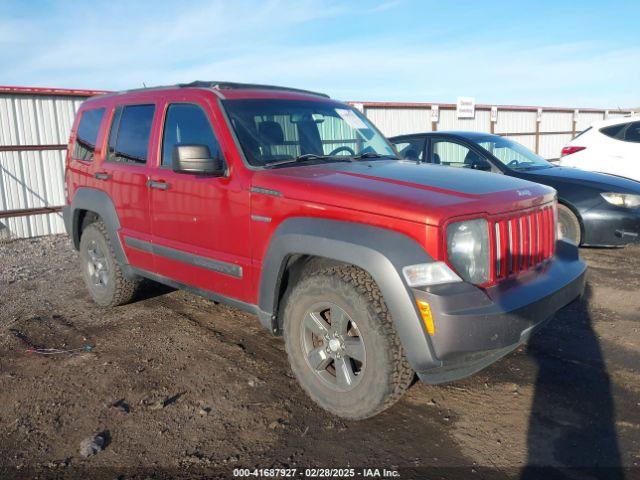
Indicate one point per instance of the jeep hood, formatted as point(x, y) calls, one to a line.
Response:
point(401, 189)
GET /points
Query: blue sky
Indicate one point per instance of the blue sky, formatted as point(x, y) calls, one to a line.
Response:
point(553, 53)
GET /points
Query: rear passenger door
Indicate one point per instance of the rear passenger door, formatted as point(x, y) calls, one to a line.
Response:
point(200, 223)
point(612, 152)
point(124, 175)
point(627, 158)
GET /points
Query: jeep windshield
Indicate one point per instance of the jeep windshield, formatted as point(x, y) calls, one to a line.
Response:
point(277, 132)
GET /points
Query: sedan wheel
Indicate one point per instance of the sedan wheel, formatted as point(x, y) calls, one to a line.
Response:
point(568, 226)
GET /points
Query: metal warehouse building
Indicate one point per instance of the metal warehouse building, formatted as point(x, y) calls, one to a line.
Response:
point(545, 130)
point(35, 125)
point(34, 130)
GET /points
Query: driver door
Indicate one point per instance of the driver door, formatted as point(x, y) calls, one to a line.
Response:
point(200, 223)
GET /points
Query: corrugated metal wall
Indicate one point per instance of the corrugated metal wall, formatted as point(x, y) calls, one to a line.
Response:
point(554, 130)
point(33, 178)
point(32, 118)
point(396, 121)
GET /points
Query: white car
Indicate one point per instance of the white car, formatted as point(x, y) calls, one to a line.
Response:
point(610, 146)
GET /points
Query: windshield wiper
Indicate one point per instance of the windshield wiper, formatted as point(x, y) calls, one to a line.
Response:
point(305, 158)
point(531, 167)
point(373, 155)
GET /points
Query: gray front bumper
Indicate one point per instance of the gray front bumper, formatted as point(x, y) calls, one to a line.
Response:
point(476, 327)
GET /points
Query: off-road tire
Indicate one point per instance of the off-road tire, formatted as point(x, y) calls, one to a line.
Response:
point(568, 225)
point(387, 373)
point(119, 290)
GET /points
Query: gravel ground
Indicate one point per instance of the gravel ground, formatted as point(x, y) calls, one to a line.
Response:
point(175, 385)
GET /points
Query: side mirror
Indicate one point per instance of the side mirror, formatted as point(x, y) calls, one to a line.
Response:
point(195, 159)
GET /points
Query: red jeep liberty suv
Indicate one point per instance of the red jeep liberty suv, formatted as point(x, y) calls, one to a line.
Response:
point(294, 207)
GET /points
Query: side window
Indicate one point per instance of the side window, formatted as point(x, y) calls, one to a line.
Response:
point(130, 131)
point(453, 154)
point(449, 153)
point(632, 134)
point(614, 131)
point(87, 135)
point(410, 149)
point(506, 154)
point(187, 124)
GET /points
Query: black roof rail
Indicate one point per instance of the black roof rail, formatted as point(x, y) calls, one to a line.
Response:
point(236, 85)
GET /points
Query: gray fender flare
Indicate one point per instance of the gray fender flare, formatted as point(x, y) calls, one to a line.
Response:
point(99, 202)
point(380, 252)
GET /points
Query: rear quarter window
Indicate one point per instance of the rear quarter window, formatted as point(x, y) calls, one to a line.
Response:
point(632, 133)
point(614, 131)
point(87, 134)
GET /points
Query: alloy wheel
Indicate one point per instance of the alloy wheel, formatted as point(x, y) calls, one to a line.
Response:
point(333, 347)
point(97, 265)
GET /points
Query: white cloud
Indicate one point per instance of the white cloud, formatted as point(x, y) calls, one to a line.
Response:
point(120, 45)
point(382, 7)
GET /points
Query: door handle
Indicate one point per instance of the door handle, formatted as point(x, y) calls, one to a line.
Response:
point(160, 185)
point(102, 175)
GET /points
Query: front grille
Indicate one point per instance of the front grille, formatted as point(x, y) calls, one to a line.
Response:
point(522, 240)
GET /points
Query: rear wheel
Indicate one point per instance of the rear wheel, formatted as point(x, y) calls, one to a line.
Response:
point(342, 345)
point(102, 274)
point(568, 225)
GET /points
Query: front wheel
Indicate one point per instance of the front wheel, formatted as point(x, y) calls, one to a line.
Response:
point(568, 225)
point(341, 343)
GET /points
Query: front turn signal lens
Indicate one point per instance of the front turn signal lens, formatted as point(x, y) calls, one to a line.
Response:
point(427, 317)
point(426, 274)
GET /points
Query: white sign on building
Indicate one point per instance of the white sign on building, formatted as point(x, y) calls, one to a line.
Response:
point(494, 114)
point(435, 113)
point(466, 107)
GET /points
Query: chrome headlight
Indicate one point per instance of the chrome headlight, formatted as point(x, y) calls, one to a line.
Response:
point(468, 249)
point(622, 199)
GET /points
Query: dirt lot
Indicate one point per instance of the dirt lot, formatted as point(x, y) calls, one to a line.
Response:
point(182, 386)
